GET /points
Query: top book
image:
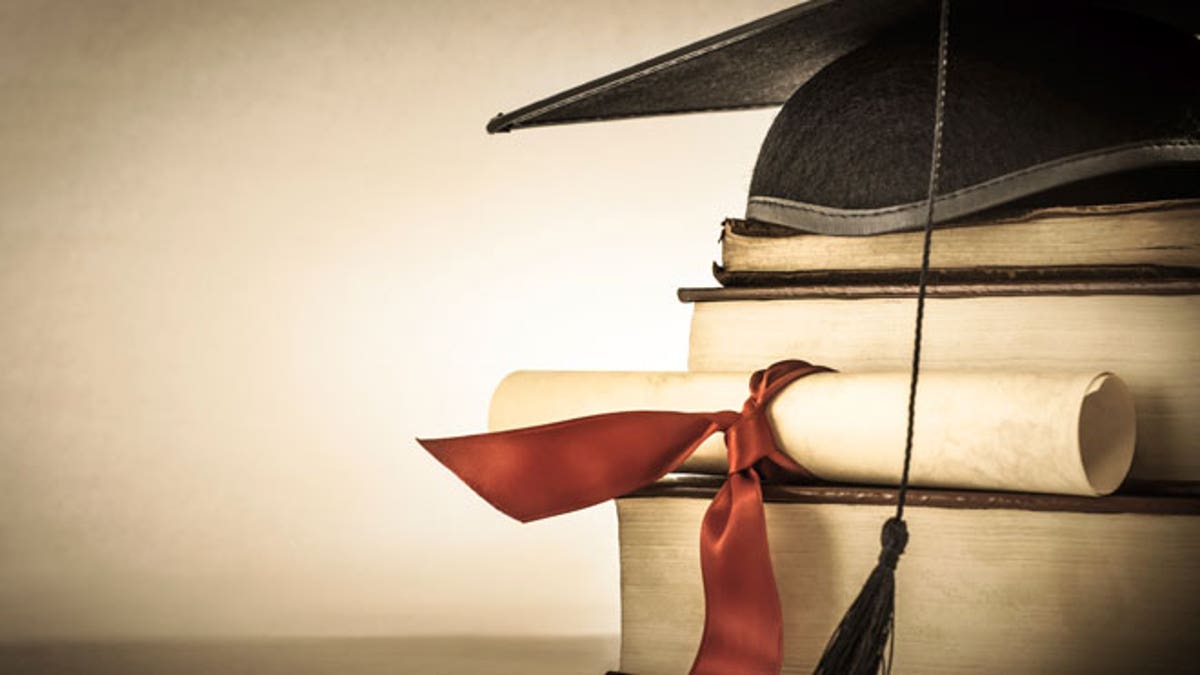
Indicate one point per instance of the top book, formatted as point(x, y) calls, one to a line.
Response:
point(1072, 239)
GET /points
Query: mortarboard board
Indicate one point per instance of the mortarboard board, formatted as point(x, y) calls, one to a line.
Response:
point(1067, 100)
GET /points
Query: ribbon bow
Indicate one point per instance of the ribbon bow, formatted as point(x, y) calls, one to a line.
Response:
point(542, 471)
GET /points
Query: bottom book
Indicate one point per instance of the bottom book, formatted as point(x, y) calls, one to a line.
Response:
point(990, 583)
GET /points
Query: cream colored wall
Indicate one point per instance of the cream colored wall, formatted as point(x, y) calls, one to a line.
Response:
point(249, 250)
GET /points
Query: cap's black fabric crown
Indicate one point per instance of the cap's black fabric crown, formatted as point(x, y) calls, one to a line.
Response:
point(1090, 104)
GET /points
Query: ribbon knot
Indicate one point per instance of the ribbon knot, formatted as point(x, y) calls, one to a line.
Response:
point(541, 471)
point(749, 439)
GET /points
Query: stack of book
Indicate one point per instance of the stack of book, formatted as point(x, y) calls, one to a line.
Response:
point(1055, 147)
point(991, 582)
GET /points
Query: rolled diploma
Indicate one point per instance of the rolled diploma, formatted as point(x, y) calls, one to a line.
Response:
point(1063, 433)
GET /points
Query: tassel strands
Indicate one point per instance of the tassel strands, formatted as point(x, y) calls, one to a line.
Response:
point(858, 643)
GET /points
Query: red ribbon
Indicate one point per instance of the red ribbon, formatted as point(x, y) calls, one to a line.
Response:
point(542, 471)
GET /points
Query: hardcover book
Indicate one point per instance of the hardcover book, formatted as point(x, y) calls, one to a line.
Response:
point(991, 582)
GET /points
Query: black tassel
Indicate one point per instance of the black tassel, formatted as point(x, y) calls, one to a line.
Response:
point(857, 646)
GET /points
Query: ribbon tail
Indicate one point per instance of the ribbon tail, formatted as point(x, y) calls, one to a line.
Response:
point(743, 619)
point(542, 471)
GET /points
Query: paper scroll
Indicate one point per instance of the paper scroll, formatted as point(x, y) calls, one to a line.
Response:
point(1065, 433)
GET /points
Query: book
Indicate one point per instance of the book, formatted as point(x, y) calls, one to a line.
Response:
point(1067, 239)
point(1147, 333)
point(990, 582)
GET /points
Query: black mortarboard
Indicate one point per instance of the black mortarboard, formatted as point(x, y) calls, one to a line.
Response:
point(1068, 100)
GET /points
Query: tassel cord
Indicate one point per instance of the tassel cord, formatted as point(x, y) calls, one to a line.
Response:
point(935, 165)
point(864, 641)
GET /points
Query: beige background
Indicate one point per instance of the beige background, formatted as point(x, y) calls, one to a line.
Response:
point(249, 250)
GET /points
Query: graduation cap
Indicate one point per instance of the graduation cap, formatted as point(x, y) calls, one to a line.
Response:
point(1047, 102)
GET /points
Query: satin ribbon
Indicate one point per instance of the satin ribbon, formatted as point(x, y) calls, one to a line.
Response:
point(542, 471)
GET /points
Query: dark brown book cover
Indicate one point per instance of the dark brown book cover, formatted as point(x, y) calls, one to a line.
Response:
point(1149, 498)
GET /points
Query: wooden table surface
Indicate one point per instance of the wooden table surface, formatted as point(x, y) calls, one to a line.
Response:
point(340, 656)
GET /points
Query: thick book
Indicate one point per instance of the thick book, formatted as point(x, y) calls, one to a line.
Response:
point(1066, 240)
point(990, 582)
point(1148, 333)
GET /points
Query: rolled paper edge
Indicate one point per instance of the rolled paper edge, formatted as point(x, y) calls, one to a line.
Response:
point(1107, 433)
point(499, 394)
